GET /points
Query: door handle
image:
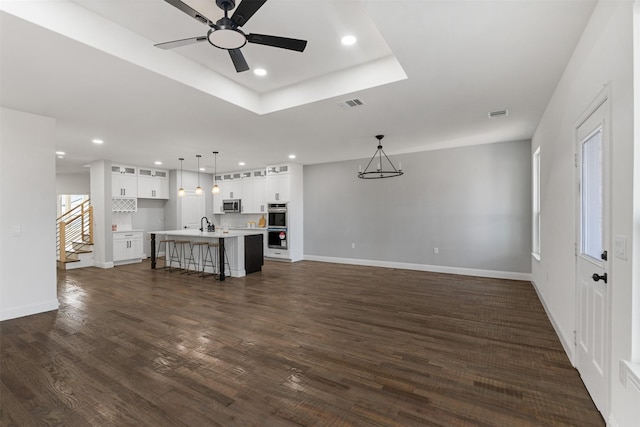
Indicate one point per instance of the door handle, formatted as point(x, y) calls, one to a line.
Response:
point(597, 277)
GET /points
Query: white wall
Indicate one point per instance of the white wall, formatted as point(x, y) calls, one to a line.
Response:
point(28, 258)
point(604, 56)
point(472, 203)
point(101, 175)
point(73, 183)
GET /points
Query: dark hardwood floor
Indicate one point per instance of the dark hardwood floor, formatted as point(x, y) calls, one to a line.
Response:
point(310, 344)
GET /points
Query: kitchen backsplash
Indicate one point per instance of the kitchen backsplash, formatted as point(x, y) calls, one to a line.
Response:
point(121, 221)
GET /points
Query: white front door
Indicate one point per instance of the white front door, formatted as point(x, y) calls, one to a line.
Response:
point(593, 282)
point(193, 210)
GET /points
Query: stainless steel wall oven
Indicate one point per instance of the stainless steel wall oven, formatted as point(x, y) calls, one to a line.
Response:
point(277, 215)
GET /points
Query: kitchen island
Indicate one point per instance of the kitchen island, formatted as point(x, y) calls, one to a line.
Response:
point(243, 247)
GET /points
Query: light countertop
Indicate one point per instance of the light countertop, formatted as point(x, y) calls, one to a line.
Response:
point(212, 234)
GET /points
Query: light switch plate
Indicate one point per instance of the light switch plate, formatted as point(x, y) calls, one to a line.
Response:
point(16, 231)
point(620, 247)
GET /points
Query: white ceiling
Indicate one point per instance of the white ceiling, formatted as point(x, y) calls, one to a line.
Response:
point(428, 73)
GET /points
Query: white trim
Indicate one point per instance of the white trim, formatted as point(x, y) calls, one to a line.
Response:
point(510, 275)
point(103, 264)
point(28, 310)
point(612, 422)
point(630, 372)
point(536, 256)
point(567, 345)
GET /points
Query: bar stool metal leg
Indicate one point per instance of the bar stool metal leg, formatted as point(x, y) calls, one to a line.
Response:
point(209, 259)
point(187, 256)
point(201, 248)
point(167, 246)
point(174, 256)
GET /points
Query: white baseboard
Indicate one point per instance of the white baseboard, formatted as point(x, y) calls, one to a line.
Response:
point(567, 343)
point(28, 310)
point(103, 264)
point(424, 267)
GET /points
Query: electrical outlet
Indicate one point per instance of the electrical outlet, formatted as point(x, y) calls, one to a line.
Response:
point(16, 231)
point(353, 245)
point(436, 250)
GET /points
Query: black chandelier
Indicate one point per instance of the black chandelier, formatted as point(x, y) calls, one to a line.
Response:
point(383, 170)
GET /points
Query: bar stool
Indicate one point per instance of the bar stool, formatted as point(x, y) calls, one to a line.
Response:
point(167, 243)
point(214, 257)
point(209, 259)
point(177, 254)
point(187, 257)
point(201, 250)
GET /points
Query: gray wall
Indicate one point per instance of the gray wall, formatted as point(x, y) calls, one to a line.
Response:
point(149, 217)
point(472, 203)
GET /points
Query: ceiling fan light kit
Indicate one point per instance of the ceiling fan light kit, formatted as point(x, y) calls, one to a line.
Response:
point(226, 34)
point(383, 167)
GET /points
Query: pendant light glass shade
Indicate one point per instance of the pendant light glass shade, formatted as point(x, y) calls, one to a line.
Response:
point(383, 169)
point(181, 191)
point(198, 188)
point(215, 189)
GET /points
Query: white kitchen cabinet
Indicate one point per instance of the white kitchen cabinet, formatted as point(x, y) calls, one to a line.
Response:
point(124, 181)
point(217, 198)
point(232, 185)
point(278, 187)
point(127, 247)
point(153, 183)
point(259, 186)
point(246, 189)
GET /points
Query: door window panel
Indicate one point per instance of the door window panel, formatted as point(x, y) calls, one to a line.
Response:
point(591, 195)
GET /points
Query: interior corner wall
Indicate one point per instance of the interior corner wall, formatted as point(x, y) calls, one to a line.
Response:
point(73, 183)
point(603, 58)
point(100, 185)
point(471, 203)
point(27, 213)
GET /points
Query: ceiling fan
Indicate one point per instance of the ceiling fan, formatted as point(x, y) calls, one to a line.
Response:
point(226, 34)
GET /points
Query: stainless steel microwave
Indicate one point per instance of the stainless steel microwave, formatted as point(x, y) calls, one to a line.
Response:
point(232, 206)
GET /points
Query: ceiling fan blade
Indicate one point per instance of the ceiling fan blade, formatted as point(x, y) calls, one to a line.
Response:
point(182, 42)
point(275, 41)
point(190, 11)
point(238, 60)
point(245, 11)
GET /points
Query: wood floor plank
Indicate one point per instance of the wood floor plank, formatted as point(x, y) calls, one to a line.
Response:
point(303, 344)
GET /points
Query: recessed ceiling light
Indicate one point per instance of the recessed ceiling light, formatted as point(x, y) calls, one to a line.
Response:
point(157, 163)
point(61, 157)
point(349, 40)
point(260, 72)
point(201, 169)
point(60, 153)
point(241, 163)
point(292, 156)
point(97, 141)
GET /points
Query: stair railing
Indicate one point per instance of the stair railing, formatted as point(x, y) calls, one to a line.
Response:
point(74, 226)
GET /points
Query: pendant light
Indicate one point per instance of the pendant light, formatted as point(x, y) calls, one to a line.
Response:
point(215, 189)
point(198, 188)
point(383, 170)
point(181, 191)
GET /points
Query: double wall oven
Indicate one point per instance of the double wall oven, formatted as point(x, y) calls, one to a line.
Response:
point(277, 231)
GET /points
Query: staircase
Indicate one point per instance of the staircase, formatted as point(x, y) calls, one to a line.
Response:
point(74, 237)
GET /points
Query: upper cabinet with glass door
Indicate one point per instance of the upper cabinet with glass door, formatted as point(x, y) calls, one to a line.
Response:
point(153, 183)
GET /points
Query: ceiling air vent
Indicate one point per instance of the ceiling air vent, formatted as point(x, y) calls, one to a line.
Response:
point(499, 113)
point(351, 103)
